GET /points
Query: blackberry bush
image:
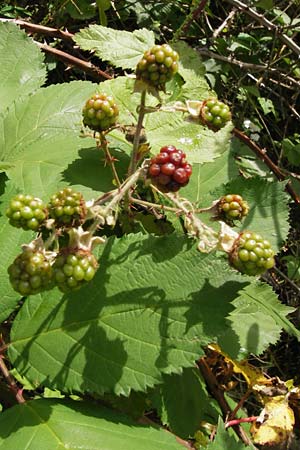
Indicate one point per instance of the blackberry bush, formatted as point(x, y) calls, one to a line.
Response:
point(215, 113)
point(158, 66)
point(232, 207)
point(73, 268)
point(67, 208)
point(169, 170)
point(100, 112)
point(27, 212)
point(251, 254)
point(31, 272)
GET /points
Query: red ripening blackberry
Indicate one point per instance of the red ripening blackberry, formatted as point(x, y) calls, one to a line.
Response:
point(169, 170)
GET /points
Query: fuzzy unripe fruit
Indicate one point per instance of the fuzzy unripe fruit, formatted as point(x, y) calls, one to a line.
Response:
point(31, 272)
point(251, 254)
point(67, 208)
point(232, 207)
point(100, 112)
point(27, 212)
point(158, 65)
point(73, 268)
point(169, 170)
point(215, 113)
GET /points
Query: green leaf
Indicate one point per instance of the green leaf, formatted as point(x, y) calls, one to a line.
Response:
point(200, 143)
point(21, 65)
point(208, 176)
point(183, 402)
point(40, 137)
point(259, 317)
point(148, 311)
point(267, 105)
point(226, 441)
point(268, 203)
point(53, 424)
point(192, 69)
point(121, 48)
point(79, 9)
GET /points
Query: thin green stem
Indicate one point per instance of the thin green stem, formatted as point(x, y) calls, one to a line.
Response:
point(136, 140)
point(155, 205)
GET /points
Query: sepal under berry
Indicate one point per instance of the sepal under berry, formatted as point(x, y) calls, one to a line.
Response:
point(251, 254)
point(73, 268)
point(31, 272)
point(67, 208)
point(232, 207)
point(27, 212)
point(169, 170)
point(158, 65)
point(214, 113)
point(100, 112)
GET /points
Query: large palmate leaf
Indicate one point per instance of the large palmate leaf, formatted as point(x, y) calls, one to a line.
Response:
point(53, 425)
point(21, 65)
point(152, 305)
point(120, 48)
point(39, 137)
point(255, 301)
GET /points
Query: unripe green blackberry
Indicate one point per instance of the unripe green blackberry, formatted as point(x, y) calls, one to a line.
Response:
point(215, 113)
point(67, 208)
point(158, 66)
point(251, 254)
point(73, 268)
point(100, 112)
point(27, 212)
point(232, 207)
point(31, 272)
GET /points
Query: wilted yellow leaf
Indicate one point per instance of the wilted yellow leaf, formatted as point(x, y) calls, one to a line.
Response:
point(275, 423)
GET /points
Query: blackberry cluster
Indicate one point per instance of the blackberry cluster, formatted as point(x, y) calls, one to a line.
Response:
point(158, 66)
point(67, 208)
point(252, 254)
point(100, 112)
point(30, 273)
point(215, 113)
point(169, 170)
point(73, 268)
point(27, 212)
point(232, 207)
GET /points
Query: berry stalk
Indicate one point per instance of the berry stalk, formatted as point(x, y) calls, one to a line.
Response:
point(136, 140)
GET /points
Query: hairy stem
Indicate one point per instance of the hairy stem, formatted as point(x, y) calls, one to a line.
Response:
point(136, 141)
point(108, 158)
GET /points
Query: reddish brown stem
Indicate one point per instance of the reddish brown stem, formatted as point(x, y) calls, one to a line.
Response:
point(73, 61)
point(10, 380)
point(195, 14)
point(267, 160)
point(218, 394)
point(234, 422)
point(33, 28)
